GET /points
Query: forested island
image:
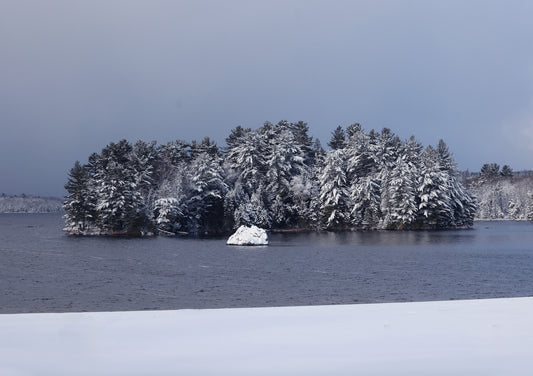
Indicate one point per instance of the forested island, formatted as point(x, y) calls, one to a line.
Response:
point(276, 177)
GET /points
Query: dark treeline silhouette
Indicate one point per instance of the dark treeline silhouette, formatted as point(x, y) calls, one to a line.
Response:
point(275, 177)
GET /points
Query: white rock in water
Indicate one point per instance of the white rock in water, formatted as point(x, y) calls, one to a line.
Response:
point(248, 236)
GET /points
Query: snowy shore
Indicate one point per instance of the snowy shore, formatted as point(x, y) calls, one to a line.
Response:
point(475, 337)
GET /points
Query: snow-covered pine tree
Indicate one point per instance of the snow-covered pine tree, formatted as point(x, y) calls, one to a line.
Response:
point(172, 156)
point(144, 159)
point(251, 211)
point(234, 197)
point(247, 160)
point(360, 158)
point(490, 171)
point(529, 207)
point(300, 130)
point(245, 166)
point(170, 206)
point(506, 172)
point(334, 195)
point(284, 161)
point(433, 192)
point(117, 194)
point(411, 152)
point(91, 196)
point(304, 189)
point(205, 204)
point(168, 215)
point(319, 154)
point(462, 203)
point(515, 209)
point(401, 187)
point(364, 177)
point(303, 186)
point(387, 148)
point(338, 139)
point(366, 202)
point(314, 217)
point(78, 210)
point(235, 136)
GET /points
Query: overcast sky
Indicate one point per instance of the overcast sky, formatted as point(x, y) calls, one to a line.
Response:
point(76, 75)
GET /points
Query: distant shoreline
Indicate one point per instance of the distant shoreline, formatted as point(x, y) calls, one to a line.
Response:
point(26, 204)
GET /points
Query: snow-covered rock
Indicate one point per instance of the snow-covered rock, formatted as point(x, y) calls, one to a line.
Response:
point(248, 236)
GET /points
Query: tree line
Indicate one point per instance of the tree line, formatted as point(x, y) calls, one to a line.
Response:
point(29, 204)
point(275, 177)
point(502, 193)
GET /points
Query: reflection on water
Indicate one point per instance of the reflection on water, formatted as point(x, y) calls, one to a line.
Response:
point(44, 270)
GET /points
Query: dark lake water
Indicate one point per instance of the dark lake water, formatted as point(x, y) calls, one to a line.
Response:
point(43, 270)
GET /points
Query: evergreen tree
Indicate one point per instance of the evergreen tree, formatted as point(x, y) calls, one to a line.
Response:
point(247, 160)
point(506, 172)
point(490, 171)
point(338, 139)
point(529, 207)
point(386, 148)
point(117, 194)
point(462, 204)
point(334, 195)
point(251, 211)
point(433, 192)
point(236, 135)
point(172, 156)
point(352, 129)
point(319, 155)
point(361, 161)
point(445, 159)
point(78, 211)
point(168, 215)
point(284, 161)
point(366, 202)
point(402, 193)
point(143, 160)
point(304, 190)
point(170, 206)
point(207, 191)
point(304, 142)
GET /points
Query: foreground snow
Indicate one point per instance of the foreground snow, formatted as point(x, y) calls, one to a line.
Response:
point(245, 235)
point(483, 337)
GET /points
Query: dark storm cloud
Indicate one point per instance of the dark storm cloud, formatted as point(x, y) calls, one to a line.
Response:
point(77, 75)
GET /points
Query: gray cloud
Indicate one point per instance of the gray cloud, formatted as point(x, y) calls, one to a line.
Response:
point(77, 75)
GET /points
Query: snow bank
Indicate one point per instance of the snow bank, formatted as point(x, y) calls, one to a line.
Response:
point(477, 337)
point(248, 236)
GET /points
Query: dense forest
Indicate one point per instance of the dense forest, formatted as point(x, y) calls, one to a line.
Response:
point(502, 193)
point(275, 177)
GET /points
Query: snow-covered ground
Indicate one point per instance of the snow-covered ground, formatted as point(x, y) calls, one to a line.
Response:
point(476, 337)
